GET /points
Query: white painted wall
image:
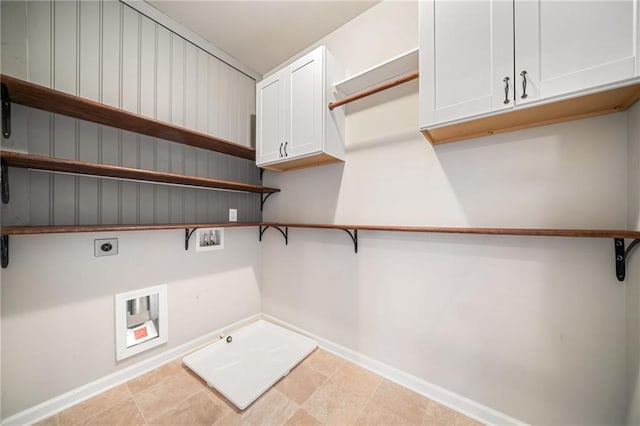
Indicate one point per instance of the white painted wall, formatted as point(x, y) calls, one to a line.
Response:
point(57, 300)
point(633, 273)
point(532, 327)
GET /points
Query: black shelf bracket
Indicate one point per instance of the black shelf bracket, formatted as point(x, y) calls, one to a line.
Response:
point(4, 250)
point(4, 181)
point(621, 256)
point(187, 235)
point(263, 198)
point(6, 111)
point(261, 173)
point(354, 238)
point(284, 233)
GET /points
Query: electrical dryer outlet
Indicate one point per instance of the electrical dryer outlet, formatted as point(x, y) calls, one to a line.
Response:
point(105, 247)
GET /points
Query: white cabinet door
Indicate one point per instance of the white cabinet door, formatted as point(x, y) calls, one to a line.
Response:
point(271, 111)
point(466, 53)
point(567, 46)
point(306, 100)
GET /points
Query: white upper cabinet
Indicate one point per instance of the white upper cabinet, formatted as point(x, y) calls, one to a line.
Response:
point(295, 128)
point(466, 53)
point(480, 58)
point(569, 46)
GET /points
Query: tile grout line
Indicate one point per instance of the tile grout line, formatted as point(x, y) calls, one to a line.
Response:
point(147, 388)
point(345, 362)
point(136, 403)
point(210, 396)
point(85, 419)
point(219, 398)
point(297, 406)
point(424, 418)
point(326, 380)
point(370, 399)
point(162, 413)
point(176, 406)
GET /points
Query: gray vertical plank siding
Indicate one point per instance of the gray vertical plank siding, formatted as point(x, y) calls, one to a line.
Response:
point(14, 38)
point(40, 142)
point(147, 197)
point(65, 79)
point(89, 61)
point(39, 41)
point(110, 53)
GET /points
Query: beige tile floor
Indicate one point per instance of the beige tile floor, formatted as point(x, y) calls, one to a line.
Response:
point(323, 389)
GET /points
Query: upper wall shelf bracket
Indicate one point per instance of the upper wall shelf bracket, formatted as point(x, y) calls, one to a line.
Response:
point(4, 250)
point(263, 198)
point(622, 255)
point(4, 181)
point(187, 235)
point(354, 238)
point(6, 111)
point(284, 233)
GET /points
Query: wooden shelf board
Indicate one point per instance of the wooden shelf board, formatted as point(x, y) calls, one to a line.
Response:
point(397, 66)
point(59, 229)
point(589, 105)
point(31, 161)
point(36, 96)
point(534, 232)
point(585, 233)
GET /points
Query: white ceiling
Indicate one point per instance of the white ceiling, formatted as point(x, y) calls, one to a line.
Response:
point(262, 34)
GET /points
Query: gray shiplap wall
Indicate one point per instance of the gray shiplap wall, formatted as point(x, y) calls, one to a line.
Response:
point(110, 53)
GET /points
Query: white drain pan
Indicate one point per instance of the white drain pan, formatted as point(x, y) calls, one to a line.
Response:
point(247, 362)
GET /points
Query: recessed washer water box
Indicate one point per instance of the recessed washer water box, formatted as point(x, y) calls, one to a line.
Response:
point(209, 239)
point(247, 362)
point(141, 320)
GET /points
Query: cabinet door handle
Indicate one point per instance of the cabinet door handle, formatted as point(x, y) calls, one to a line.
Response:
point(524, 84)
point(285, 150)
point(280, 149)
point(506, 90)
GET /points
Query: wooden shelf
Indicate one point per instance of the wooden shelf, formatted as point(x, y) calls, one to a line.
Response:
point(533, 232)
point(36, 96)
point(584, 233)
point(61, 229)
point(38, 162)
point(615, 99)
point(621, 253)
point(389, 70)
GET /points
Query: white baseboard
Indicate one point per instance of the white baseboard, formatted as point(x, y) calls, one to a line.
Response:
point(82, 393)
point(450, 399)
